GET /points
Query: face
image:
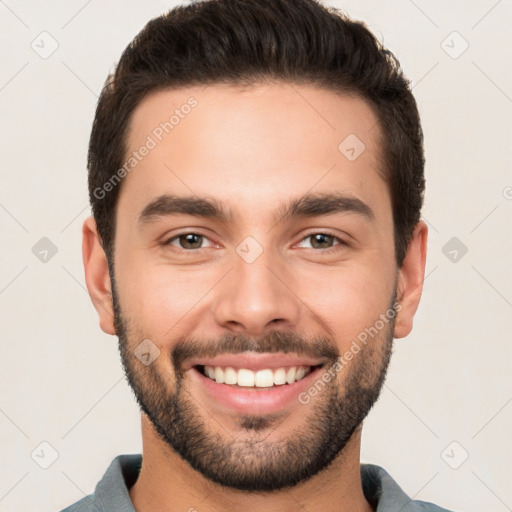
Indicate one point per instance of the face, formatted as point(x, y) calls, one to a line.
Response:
point(248, 238)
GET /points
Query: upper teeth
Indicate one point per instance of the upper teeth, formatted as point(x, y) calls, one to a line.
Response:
point(260, 379)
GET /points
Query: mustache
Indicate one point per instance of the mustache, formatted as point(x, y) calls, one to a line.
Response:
point(320, 347)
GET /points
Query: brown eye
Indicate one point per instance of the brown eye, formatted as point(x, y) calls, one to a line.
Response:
point(188, 241)
point(321, 241)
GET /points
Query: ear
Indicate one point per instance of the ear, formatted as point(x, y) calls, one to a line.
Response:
point(97, 277)
point(410, 280)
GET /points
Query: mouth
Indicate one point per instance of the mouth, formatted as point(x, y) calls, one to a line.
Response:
point(251, 392)
point(266, 378)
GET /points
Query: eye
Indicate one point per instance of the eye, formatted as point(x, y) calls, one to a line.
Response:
point(188, 241)
point(192, 241)
point(323, 241)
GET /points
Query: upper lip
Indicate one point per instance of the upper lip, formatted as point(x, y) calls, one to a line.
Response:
point(254, 361)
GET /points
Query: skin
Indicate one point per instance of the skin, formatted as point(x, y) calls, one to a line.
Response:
point(252, 149)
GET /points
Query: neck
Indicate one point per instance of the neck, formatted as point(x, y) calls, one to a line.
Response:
point(167, 483)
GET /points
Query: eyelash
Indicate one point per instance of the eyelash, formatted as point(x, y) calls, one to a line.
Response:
point(336, 247)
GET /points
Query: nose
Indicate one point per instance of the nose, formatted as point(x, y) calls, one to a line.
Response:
point(257, 297)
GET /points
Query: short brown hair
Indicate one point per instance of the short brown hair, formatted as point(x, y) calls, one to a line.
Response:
point(254, 41)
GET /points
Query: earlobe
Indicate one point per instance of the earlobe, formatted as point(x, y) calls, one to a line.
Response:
point(97, 276)
point(410, 280)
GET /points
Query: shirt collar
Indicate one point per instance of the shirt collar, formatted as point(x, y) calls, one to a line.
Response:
point(380, 490)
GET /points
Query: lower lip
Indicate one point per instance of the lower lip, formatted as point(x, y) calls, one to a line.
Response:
point(251, 400)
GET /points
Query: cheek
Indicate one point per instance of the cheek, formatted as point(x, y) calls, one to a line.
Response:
point(351, 301)
point(161, 302)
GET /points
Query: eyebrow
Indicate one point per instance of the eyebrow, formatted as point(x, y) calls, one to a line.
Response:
point(311, 205)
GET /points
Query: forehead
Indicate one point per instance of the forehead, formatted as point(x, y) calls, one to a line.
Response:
point(252, 147)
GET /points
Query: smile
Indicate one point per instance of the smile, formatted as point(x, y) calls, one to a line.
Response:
point(265, 378)
point(252, 392)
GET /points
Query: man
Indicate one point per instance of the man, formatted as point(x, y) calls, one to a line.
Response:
point(256, 180)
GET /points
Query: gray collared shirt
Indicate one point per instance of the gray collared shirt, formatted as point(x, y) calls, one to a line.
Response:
point(111, 493)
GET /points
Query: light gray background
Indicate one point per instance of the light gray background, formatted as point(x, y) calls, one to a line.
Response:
point(450, 380)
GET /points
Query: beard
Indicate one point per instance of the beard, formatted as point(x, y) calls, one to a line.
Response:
point(245, 459)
